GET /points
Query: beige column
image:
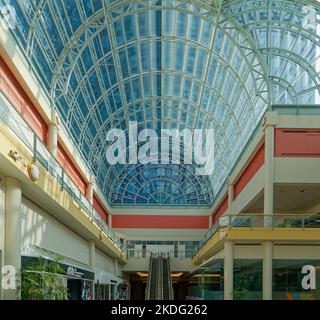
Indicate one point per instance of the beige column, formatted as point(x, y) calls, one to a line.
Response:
point(267, 270)
point(91, 187)
point(12, 252)
point(116, 267)
point(110, 220)
point(92, 251)
point(228, 269)
point(53, 130)
point(210, 220)
point(269, 125)
point(267, 246)
point(230, 195)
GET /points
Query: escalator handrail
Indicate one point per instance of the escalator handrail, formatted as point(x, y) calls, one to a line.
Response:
point(149, 281)
point(170, 280)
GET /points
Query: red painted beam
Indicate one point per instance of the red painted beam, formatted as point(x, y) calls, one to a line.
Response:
point(17, 96)
point(253, 167)
point(297, 143)
point(220, 210)
point(100, 209)
point(160, 222)
point(70, 168)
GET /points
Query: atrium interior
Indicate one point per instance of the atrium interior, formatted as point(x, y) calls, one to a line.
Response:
point(160, 149)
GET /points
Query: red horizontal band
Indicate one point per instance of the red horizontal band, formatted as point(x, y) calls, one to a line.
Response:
point(297, 143)
point(160, 222)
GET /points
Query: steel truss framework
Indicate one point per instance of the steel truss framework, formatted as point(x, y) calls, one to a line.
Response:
point(169, 64)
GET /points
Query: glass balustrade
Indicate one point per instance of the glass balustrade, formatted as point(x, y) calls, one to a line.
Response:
point(260, 221)
point(12, 120)
point(141, 254)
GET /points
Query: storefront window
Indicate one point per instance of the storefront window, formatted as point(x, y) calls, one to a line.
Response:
point(247, 279)
point(287, 280)
point(102, 291)
point(86, 290)
point(208, 283)
point(107, 292)
point(123, 291)
point(113, 292)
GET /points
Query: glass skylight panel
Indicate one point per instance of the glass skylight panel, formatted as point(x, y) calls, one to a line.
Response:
point(154, 62)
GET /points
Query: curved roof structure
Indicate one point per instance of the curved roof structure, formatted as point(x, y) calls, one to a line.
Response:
point(169, 65)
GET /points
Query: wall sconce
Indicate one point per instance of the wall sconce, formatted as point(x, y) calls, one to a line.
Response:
point(33, 171)
point(222, 235)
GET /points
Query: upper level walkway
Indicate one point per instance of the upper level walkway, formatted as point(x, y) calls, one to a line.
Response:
point(257, 228)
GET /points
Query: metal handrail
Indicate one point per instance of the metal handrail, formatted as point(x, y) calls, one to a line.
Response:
point(169, 278)
point(142, 254)
point(159, 278)
point(147, 293)
point(22, 130)
point(300, 221)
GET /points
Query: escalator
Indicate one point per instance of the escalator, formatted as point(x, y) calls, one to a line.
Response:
point(167, 292)
point(159, 284)
point(151, 292)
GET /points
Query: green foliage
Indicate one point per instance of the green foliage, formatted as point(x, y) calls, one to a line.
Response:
point(40, 280)
point(240, 294)
point(285, 224)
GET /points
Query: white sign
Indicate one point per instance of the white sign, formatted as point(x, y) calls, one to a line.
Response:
point(8, 277)
point(309, 280)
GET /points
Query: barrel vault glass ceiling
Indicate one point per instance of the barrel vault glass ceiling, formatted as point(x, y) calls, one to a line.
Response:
point(169, 64)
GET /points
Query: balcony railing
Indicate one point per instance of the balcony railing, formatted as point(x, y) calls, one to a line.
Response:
point(141, 254)
point(260, 221)
point(13, 120)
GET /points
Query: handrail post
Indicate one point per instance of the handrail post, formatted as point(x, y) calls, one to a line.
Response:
point(62, 179)
point(91, 213)
point(273, 221)
point(34, 146)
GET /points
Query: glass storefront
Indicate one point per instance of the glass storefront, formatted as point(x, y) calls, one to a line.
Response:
point(177, 249)
point(247, 279)
point(79, 289)
point(208, 282)
point(287, 280)
point(113, 292)
point(102, 291)
point(49, 277)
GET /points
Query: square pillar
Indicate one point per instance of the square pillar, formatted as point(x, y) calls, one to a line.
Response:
point(230, 195)
point(267, 247)
point(228, 269)
point(269, 125)
point(12, 250)
point(53, 130)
